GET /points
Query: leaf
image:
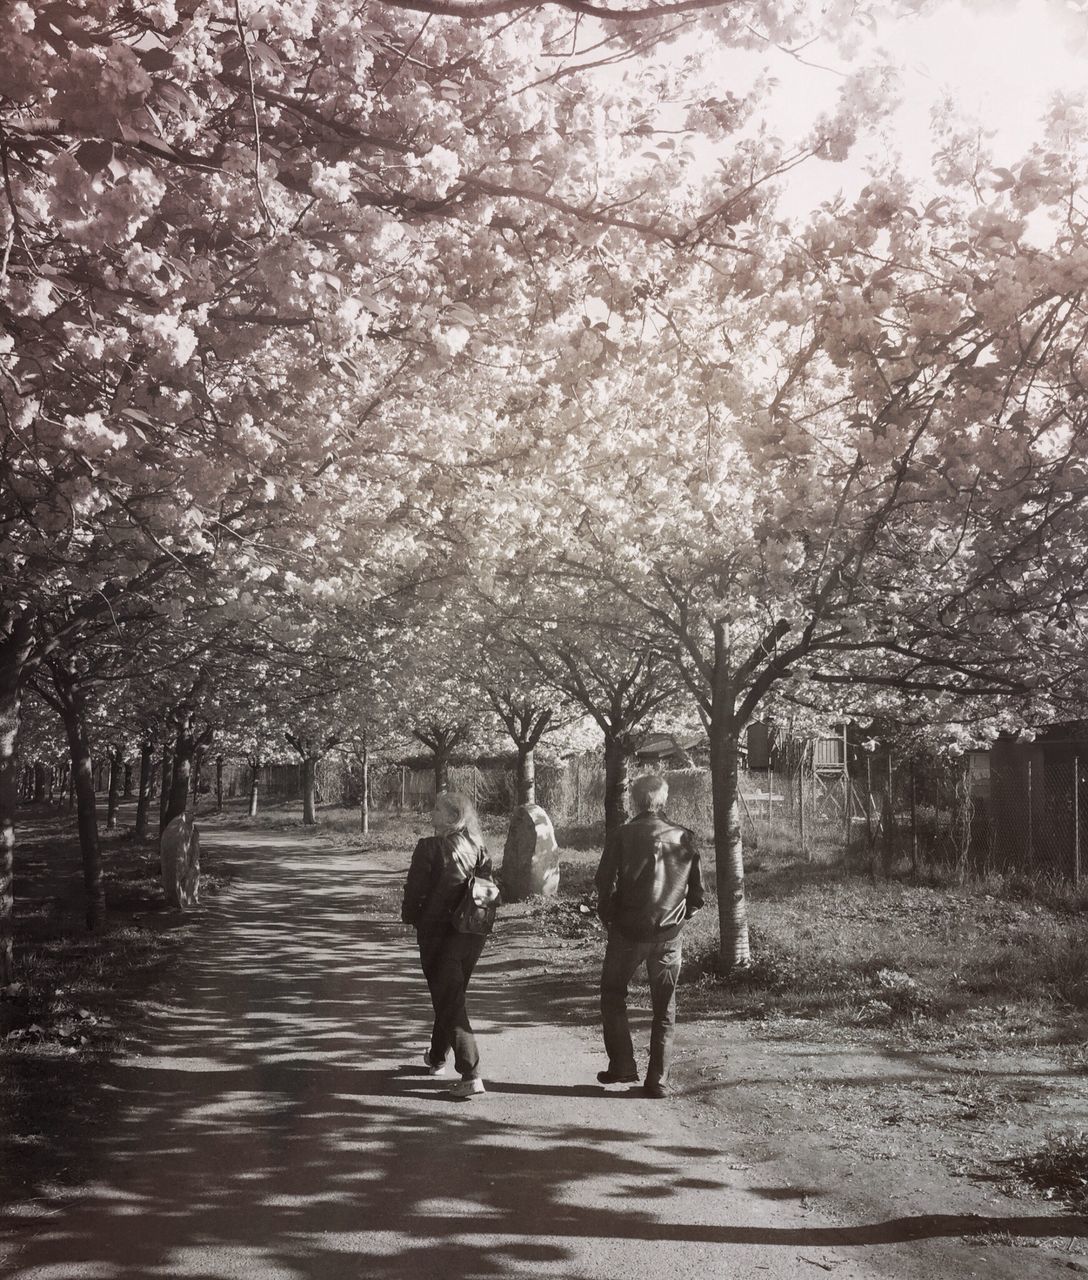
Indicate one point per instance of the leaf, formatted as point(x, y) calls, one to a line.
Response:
point(53, 36)
point(180, 267)
point(155, 59)
point(1008, 179)
point(139, 137)
point(134, 416)
point(266, 56)
point(175, 99)
point(94, 156)
point(461, 314)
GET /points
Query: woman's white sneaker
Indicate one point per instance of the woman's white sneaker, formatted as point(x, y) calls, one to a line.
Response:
point(467, 1088)
point(440, 1070)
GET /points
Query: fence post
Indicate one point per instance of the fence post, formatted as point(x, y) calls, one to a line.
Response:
point(1031, 828)
point(1076, 822)
point(475, 788)
point(403, 785)
point(889, 832)
point(913, 821)
point(770, 791)
point(847, 808)
point(801, 807)
point(869, 802)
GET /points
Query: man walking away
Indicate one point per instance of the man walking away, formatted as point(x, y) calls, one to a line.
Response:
point(648, 884)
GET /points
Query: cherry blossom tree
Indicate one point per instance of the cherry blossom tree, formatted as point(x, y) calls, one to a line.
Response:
point(282, 286)
point(866, 466)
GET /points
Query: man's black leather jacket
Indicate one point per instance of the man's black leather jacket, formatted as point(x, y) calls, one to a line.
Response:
point(649, 880)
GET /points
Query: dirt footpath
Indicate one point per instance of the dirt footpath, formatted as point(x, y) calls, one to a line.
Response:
point(274, 1124)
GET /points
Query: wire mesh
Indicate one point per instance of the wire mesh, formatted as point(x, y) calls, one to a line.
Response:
point(1015, 811)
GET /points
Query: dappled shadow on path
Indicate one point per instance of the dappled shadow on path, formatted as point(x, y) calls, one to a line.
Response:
point(275, 1125)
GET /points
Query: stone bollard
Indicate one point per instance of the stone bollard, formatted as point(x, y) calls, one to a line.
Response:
point(179, 859)
point(530, 857)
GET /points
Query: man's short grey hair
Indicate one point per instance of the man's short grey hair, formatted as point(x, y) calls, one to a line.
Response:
point(649, 792)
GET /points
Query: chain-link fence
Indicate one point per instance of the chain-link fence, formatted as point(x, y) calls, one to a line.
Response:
point(1018, 810)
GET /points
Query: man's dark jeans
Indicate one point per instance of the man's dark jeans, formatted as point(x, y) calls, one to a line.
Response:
point(448, 959)
point(622, 958)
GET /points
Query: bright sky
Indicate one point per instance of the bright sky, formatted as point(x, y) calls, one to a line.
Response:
point(1001, 59)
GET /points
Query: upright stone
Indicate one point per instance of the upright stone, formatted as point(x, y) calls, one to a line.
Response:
point(530, 857)
point(179, 854)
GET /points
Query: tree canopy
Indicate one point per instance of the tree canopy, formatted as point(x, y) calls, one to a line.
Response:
point(336, 342)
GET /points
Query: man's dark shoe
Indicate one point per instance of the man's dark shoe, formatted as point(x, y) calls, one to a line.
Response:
point(617, 1077)
point(655, 1089)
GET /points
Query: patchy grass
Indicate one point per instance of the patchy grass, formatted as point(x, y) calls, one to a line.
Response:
point(1058, 1170)
point(75, 992)
point(944, 963)
point(341, 827)
point(947, 963)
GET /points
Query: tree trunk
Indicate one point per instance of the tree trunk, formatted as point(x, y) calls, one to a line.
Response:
point(441, 771)
point(617, 780)
point(39, 782)
point(143, 796)
point(188, 750)
point(219, 784)
point(83, 770)
point(165, 785)
point(309, 791)
point(9, 718)
point(126, 790)
point(733, 948)
point(254, 785)
point(13, 653)
point(198, 766)
point(526, 775)
point(114, 796)
point(364, 793)
point(181, 776)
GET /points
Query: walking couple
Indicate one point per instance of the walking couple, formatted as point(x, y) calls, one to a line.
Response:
point(648, 883)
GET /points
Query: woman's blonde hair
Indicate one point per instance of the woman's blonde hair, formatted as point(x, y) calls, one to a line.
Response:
point(460, 815)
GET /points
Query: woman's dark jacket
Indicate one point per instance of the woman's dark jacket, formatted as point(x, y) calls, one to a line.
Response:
point(436, 879)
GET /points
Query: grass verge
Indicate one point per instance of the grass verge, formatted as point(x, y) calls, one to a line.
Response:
point(74, 991)
point(947, 963)
point(1059, 1170)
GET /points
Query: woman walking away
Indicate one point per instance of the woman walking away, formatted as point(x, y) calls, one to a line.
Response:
point(437, 878)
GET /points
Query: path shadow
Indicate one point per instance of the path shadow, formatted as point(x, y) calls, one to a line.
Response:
point(256, 1134)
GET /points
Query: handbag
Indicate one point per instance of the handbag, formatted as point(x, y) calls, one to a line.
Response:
point(476, 908)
